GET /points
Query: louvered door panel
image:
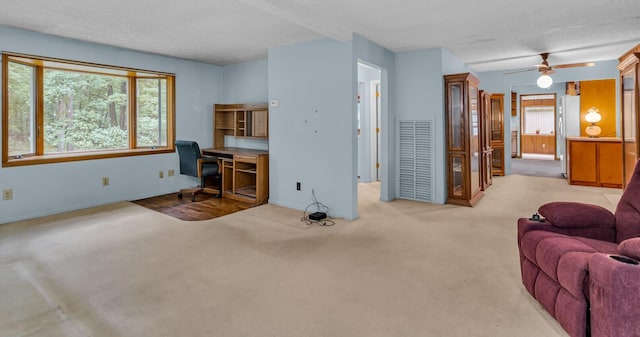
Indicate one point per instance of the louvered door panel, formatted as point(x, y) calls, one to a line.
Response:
point(415, 160)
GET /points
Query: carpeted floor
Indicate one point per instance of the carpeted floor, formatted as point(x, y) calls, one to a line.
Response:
point(403, 269)
point(536, 168)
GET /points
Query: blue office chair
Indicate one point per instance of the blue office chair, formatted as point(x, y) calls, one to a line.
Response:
point(193, 164)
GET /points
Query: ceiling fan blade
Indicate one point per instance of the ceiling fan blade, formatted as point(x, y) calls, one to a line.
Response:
point(574, 65)
point(519, 71)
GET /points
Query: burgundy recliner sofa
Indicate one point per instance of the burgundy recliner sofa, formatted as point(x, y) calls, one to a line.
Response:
point(581, 263)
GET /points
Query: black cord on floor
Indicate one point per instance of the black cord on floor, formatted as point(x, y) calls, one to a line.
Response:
point(320, 207)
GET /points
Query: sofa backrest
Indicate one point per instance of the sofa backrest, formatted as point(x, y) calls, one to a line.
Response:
point(628, 209)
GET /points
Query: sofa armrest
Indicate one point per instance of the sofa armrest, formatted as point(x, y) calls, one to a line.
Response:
point(630, 248)
point(577, 215)
point(614, 289)
point(597, 233)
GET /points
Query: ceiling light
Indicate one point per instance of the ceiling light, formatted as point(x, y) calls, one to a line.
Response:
point(544, 81)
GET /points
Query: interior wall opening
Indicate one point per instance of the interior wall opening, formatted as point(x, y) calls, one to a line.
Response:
point(369, 117)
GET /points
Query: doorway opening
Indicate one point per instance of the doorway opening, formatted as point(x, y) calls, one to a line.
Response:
point(369, 117)
point(539, 156)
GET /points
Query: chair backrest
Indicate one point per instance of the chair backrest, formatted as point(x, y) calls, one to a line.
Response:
point(628, 209)
point(189, 153)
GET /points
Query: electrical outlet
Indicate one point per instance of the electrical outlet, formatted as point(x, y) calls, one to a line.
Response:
point(171, 173)
point(7, 194)
point(105, 181)
point(298, 186)
point(161, 174)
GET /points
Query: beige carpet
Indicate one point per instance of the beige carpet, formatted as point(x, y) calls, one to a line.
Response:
point(403, 269)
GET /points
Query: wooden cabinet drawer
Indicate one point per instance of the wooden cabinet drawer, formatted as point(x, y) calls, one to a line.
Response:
point(245, 159)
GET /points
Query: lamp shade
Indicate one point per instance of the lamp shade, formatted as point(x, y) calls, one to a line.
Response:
point(544, 81)
point(593, 115)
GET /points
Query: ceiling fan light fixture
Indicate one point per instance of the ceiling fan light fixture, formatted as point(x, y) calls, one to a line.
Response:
point(544, 81)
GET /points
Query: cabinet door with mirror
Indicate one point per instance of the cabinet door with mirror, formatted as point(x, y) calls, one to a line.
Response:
point(497, 133)
point(464, 153)
point(629, 67)
point(485, 140)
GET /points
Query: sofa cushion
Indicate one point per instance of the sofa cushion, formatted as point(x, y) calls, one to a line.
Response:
point(572, 313)
point(572, 274)
point(627, 215)
point(550, 250)
point(546, 291)
point(599, 245)
point(575, 214)
point(530, 241)
point(630, 248)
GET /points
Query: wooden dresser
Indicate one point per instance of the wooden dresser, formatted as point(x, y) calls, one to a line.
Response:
point(594, 161)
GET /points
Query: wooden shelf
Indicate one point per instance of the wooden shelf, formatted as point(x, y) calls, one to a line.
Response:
point(240, 120)
point(249, 191)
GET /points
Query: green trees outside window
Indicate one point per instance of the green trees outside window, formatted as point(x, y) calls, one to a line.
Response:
point(57, 107)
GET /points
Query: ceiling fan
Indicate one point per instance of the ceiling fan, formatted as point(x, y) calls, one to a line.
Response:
point(546, 69)
point(545, 81)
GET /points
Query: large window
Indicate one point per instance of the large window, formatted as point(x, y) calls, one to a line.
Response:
point(58, 110)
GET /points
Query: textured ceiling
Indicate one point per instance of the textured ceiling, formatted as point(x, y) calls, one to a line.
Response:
point(487, 35)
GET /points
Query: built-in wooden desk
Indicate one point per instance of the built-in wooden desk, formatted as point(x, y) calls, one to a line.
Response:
point(594, 161)
point(245, 173)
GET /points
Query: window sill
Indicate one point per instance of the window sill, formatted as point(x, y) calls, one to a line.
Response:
point(69, 157)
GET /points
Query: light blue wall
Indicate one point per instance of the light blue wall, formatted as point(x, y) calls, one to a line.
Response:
point(245, 83)
point(420, 96)
point(498, 82)
point(312, 131)
point(53, 188)
point(384, 59)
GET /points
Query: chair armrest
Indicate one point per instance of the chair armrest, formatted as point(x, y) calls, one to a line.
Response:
point(597, 233)
point(614, 289)
point(203, 161)
point(577, 215)
point(208, 159)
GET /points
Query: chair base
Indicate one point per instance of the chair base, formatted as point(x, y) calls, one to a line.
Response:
point(197, 190)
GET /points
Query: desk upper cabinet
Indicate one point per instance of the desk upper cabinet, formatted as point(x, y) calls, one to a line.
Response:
point(240, 120)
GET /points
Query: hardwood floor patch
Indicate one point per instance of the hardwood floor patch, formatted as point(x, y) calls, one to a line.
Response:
point(204, 208)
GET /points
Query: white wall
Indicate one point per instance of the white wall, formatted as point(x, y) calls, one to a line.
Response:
point(420, 96)
point(384, 59)
point(312, 131)
point(53, 188)
point(245, 83)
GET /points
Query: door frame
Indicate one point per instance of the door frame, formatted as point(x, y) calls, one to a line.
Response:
point(555, 119)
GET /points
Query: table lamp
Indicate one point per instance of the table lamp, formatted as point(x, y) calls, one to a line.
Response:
point(593, 116)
